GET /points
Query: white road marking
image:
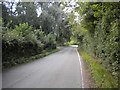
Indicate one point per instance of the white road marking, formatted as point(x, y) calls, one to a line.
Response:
point(80, 69)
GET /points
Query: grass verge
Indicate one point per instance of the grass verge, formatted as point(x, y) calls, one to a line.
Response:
point(103, 78)
point(26, 60)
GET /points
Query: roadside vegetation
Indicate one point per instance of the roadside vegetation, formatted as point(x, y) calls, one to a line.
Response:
point(28, 34)
point(102, 77)
point(34, 29)
point(98, 36)
point(23, 60)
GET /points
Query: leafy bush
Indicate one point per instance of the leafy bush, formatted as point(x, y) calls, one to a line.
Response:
point(98, 33)
point(50, 41)
point(102, 77)
point(22, 41)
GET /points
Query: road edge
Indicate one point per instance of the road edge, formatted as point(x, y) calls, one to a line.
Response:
point(80, 67)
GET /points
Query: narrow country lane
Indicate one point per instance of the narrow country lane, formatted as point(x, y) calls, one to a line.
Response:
point(58, 70)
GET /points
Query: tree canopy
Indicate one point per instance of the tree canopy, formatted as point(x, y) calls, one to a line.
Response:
point(29, 28)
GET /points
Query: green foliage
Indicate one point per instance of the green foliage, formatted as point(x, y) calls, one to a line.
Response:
point(50, 41)
point(22, 42)
point(98, 33)
point(46, 16)
point(26, 33)
point(102, 77)
point(27, 59)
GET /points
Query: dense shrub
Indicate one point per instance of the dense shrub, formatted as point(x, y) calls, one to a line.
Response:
point(23, 41)
point(98, 33)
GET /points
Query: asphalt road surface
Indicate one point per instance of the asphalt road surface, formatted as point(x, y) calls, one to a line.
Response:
point(58, 70)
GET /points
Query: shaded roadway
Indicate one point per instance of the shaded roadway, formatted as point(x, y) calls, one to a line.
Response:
point(58, 70)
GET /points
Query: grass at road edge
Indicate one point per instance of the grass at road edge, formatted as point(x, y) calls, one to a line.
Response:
point(26, 60)
point(103, 78)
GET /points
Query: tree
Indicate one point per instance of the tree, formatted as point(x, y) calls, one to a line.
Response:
point(97, 32)
point(27, 13)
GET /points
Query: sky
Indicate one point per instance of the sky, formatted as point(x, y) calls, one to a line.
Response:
point(67, 9)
